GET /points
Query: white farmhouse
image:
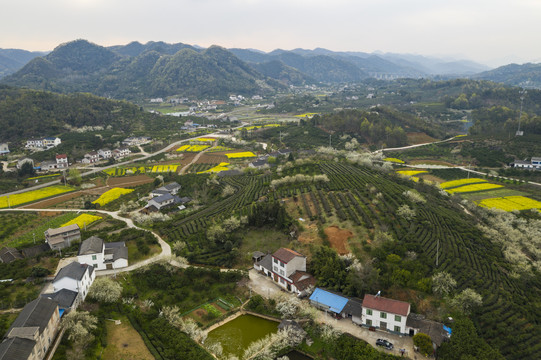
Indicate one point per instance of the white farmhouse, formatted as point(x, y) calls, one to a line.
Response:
point(288, 269)
point(95, 252)
point(105, 153)
point(75, 277)
point(385, 314)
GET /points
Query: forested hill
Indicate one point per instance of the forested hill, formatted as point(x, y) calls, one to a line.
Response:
point(526, 75)
point(81, 66)
point(30, 113)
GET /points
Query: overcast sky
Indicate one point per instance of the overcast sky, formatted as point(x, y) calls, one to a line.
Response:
point(492, 32)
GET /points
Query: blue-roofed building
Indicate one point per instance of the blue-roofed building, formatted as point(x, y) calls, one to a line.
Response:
point(337, 305)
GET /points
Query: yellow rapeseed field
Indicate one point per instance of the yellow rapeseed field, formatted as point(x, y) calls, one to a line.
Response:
point(111, 195)
point(193, 148)
point(239, 155)
point(460, 182)
point(394, 160)
point(510, 203)
point(82, 220)
point(164, 168)
point(473, 188)
point(33, 195)
point(221, 167)
point(204, 139)
point(308, 115)
point(411, 172)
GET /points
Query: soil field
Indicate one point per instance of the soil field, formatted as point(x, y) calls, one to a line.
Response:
point(45, 204)
point(124, 181)
point(419, 138)
point(124, 342)
point(213, 158)
point(338, 239)
point(429, 162)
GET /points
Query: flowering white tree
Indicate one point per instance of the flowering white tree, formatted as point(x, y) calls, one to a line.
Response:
point(105, 289)
point(443, 283)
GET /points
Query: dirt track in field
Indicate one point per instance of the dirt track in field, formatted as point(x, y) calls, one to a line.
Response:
point(129, 180)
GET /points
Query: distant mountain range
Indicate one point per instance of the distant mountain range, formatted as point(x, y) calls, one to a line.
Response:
point(158, 69)
point(526, 75)
point(12, 60)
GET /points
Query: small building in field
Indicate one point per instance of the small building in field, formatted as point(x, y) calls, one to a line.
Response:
point(76, 277)
point(171, 188)
point(4, 149)
point(62, 237)
point(164, 201)
point(8, 254)
point(385, 314)
point(32, 332)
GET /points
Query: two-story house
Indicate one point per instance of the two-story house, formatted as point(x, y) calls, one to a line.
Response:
point(171, 188)
point(385, 314)
point(32, 332)
point(162, 201)
point(288, 269)
point(51, 141)
point(101, 255)
point(105, 153)
point(61, 161)
point(76, 277)
point(62, 237)
point(121, 152)
point(90, 158)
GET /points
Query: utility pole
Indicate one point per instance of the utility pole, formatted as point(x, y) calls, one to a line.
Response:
point(330, 140)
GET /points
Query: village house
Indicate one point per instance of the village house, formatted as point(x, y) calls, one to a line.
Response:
point(533, 164)
point(32, 332)
point(90, 158)
point(67, 299)
point(75, 277)
point(337, 305)
point(163, 201)
point(101, 255)
point(121, 152)
point(105, 153)
point(43, 143)
point(385, 314)
point(62, 237)
point(288, 269)
point(34, 143)
point(61, 161)
point(438, 332)
point(171, 188)
point(4, 148)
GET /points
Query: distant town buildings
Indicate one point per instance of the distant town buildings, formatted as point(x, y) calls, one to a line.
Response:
point(43, 143)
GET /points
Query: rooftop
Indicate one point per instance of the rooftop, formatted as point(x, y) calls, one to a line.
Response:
point(74, 271)
point(64, 297)
point(286, 255)
point(387, 305)
point(63, 229)
point(36, 313)
point(336, 303)
point(16, 348)
point(92, 245)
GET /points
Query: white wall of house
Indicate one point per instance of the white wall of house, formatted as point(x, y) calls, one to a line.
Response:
point(120, 263)
point(95, 260)
point(384, 320)
point(80, 286)
point(298, 263)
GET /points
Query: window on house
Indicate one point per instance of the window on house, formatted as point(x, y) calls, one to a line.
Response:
point(95, 266)
point(275, 261)
point(94, 257)
point(368, 322)
point(383, 315)
point(368, 312)
point(398, 318)
point(397, 329)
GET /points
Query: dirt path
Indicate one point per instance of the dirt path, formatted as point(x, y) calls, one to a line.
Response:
point(194, 160)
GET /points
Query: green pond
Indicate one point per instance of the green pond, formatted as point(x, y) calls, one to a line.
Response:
point(236, 335)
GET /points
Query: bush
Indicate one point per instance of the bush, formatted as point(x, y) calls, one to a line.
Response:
point(424, 343)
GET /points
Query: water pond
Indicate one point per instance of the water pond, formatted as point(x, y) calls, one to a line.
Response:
point(236, 335)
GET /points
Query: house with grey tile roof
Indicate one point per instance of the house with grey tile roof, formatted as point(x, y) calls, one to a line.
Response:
point(33, 331)
point(75, 277)
point(101, 255)
point(62, 237)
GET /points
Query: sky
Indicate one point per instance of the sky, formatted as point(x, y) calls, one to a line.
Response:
point(492, 32)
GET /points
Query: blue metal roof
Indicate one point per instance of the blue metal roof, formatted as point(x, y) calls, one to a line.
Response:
point(335, 302)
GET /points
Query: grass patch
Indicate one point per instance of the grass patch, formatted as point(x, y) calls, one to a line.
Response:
point(38, 229)
point(265, 240)
point(124, 342)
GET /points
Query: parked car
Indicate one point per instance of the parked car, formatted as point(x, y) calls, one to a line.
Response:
point(386, 344)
